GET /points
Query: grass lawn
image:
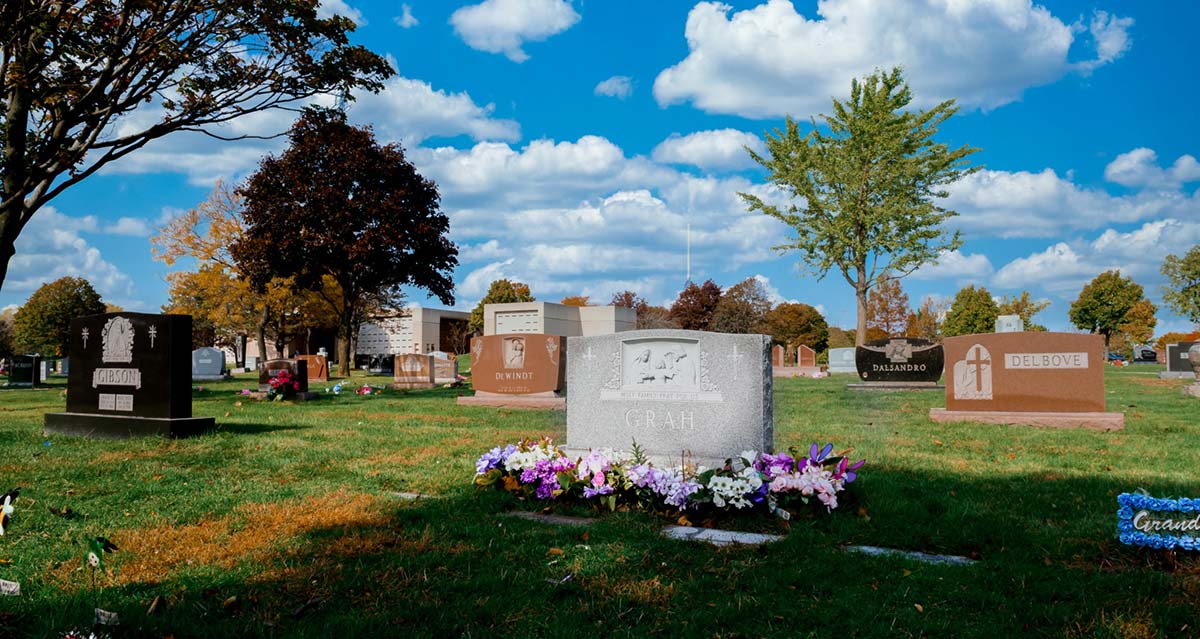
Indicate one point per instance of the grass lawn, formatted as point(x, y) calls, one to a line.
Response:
point(284, 522)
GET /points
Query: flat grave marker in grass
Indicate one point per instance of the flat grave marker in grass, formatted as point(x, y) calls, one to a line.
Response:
point(131, 375)
point(717, 536)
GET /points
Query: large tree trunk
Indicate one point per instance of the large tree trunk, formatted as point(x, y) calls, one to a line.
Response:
point(860, 293)
point(262, 336)
point(345, 336)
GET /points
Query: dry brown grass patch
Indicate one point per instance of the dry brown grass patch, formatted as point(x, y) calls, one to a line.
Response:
point(644, 591)
point(1154, 382)
point(149, 555)
point(421, 417)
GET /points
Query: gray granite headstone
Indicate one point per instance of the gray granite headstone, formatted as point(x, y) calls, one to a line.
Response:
point(841, 360)
point(1009, 324)
point(208, 363)
point(673, 391)
point(45, 369)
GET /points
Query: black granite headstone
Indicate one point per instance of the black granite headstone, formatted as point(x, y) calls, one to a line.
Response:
point(130, 375)
point(1177, 357)
point(25, 371)
point(239, 351)
point(382, 365)
point(297, 367)
point(900, 359)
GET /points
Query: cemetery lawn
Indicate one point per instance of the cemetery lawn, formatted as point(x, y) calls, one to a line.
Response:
point(285, 522)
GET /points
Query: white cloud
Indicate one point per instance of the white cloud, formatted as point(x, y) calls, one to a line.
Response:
point(773, 293)
point(405, 20)
point(770, 60)
point(1043, 204)
point(406, 110)
point(1139, 168)
point(133, 226)
point(51, 247)
point(502, 26)
point(489, 250)
point(618, 86)
point(412, 111)
point(956, 265)
point(716, 149)
point(1065, 267)
point(329, 8)
point(1111, 35)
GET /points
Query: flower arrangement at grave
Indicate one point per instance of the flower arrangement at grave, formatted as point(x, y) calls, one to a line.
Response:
point(6, 508)
point(283, 386)
point(753, 481)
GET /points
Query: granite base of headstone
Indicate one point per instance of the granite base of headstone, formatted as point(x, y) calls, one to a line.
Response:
point(899, 363)
point(524, 370)
point(679, 394)
point(24, 371)
point(1032, 378)
point(1178, 366)
point(208, 364)
point(130, 376)
point(414, 371)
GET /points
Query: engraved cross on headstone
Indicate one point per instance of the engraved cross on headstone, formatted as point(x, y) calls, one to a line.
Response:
point(153, 332)
point(84, 335)
point(589, 355)
point(736, 356)
point(978, 362)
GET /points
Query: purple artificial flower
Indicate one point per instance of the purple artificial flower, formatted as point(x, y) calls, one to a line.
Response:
point(818, 455)
point(850, 474)
point(494, 458)
point(589, 492)
point(775, 465)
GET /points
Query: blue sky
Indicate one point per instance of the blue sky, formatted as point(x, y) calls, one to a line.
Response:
point(574, 141)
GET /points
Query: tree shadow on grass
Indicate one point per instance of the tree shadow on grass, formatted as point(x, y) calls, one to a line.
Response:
point(1049, 566)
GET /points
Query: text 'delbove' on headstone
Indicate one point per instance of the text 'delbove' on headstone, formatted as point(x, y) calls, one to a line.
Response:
point(1037, 378)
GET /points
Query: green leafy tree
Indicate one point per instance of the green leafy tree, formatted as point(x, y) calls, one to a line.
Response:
point(1026, 307)
point(693, 309)
point(43, 323)
point(794, 324)
point(500, 292)
point(72, 75)
point(1103, 303)
point(972, 311)
point(868, 189)
point(1181, 293)
point(742, 308)
point(336, 204)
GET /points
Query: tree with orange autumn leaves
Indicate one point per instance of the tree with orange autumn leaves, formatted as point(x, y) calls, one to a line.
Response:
point(216, 294)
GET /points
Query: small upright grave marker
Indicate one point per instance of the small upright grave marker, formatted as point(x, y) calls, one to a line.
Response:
point(518, 371)
point(841, 360)
point(317, 366)
point(208, 364)
point(806, 357)
point(414, 371)
point(24, 371)
point(1009, 324)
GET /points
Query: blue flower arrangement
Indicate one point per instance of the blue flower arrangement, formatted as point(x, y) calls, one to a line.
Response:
point(1131, 504)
